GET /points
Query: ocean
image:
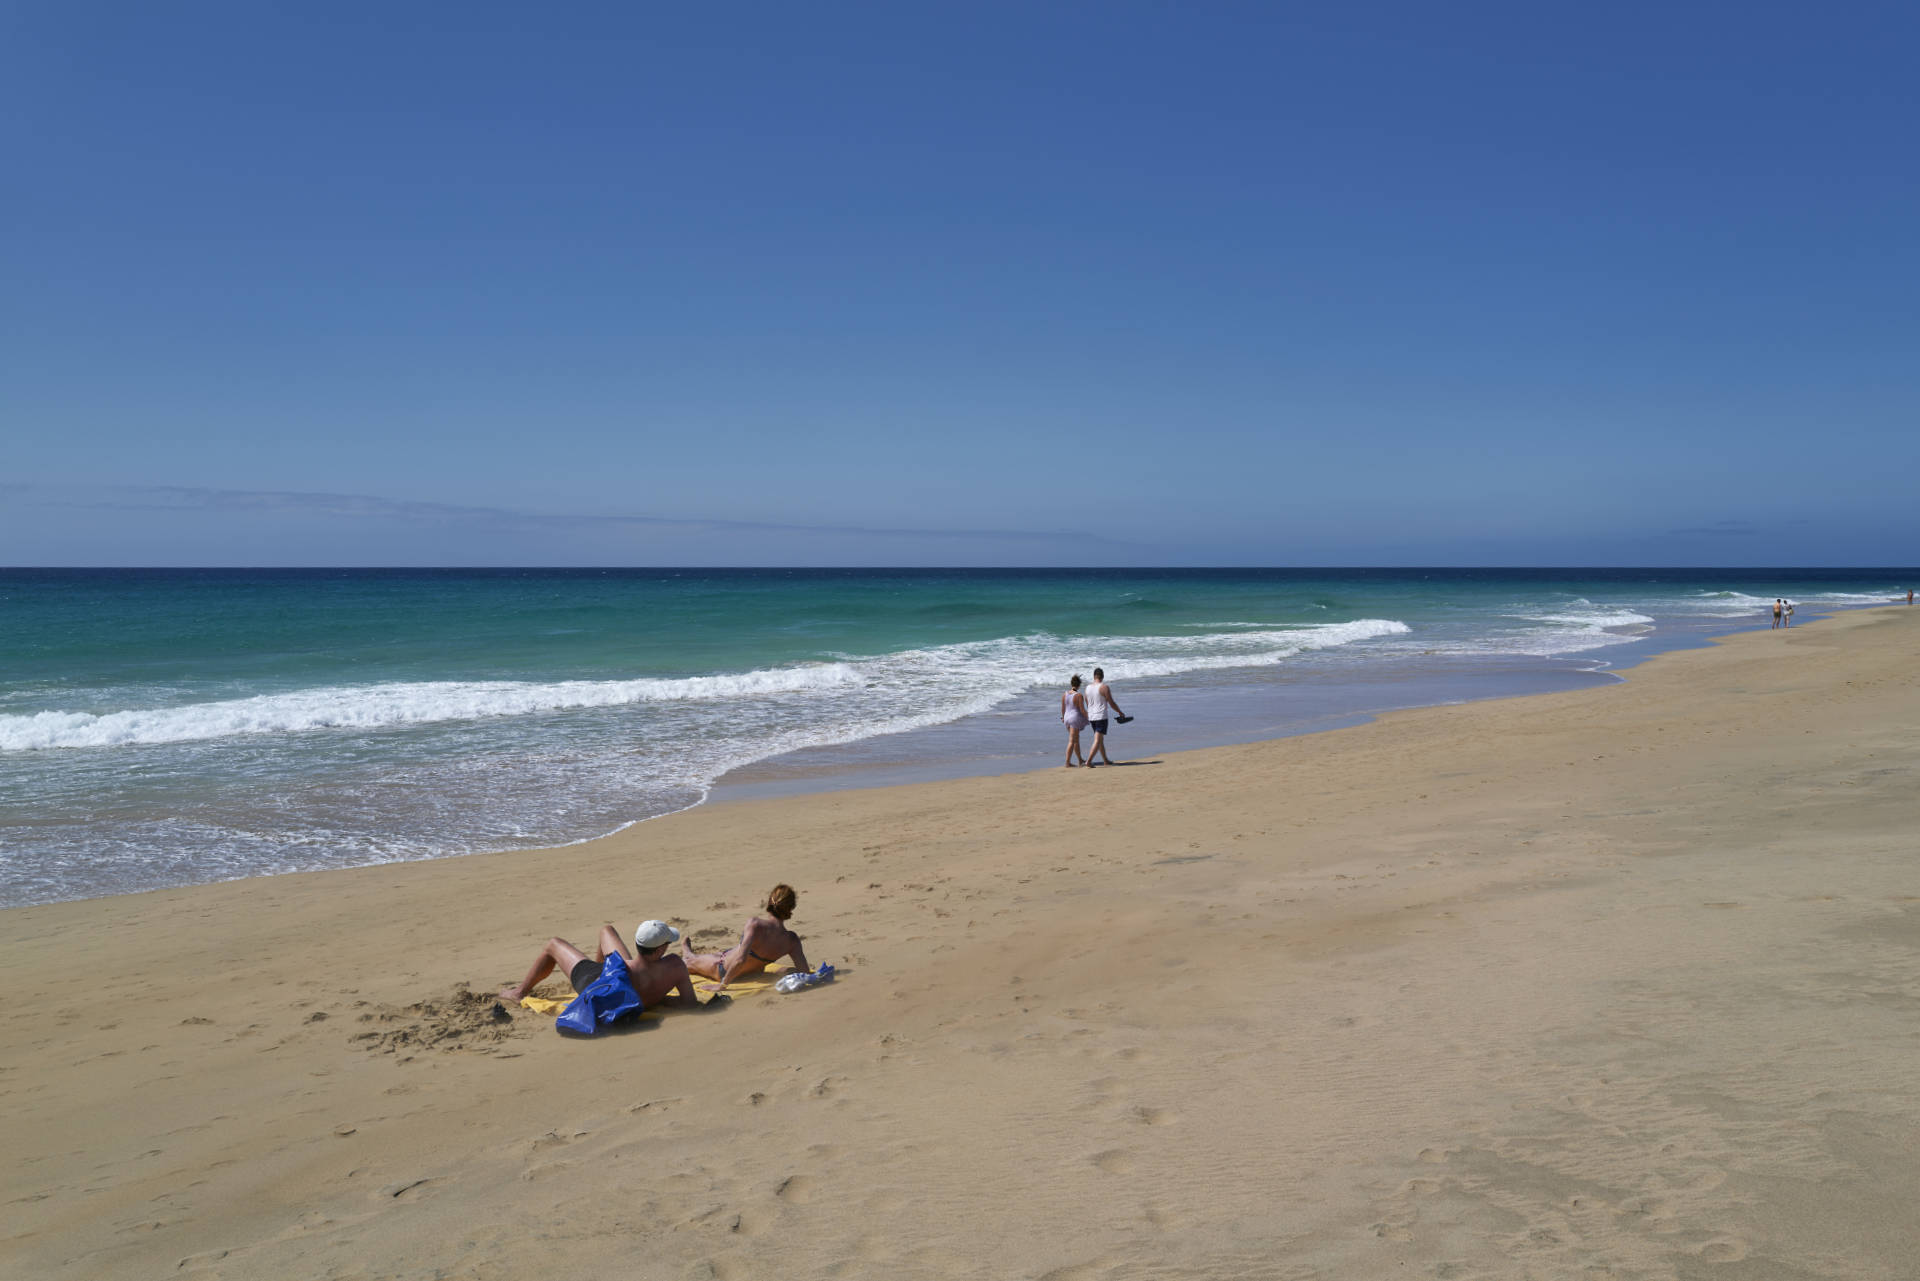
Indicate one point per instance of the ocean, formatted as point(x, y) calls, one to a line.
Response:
point(172, 727)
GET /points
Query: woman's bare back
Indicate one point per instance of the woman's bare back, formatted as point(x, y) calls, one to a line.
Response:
point(763, 941)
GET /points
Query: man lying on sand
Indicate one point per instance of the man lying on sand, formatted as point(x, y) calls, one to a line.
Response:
point(763, 941)
point(658, 978)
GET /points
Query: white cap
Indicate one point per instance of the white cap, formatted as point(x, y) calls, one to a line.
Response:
point(652, 934)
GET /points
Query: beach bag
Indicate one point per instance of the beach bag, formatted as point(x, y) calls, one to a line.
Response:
point(609, 997)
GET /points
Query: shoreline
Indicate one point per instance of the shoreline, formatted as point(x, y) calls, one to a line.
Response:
point(783, 775)
point(514, 713)
point(1000, 741)
point(739, 794)
point(1472, 928)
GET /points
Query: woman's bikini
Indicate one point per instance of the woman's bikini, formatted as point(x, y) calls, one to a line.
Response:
point(764, 960)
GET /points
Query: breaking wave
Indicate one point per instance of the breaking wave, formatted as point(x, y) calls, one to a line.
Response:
point(886, 692)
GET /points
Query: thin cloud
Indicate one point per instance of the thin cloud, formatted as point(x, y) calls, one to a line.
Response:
point(183, 498)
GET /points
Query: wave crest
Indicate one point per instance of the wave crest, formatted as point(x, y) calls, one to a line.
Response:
point(398, 703)
point(931, 686)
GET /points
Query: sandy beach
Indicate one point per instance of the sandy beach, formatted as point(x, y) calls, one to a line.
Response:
point(1618, 983)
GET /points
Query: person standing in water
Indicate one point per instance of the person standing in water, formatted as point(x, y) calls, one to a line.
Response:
point(1776, 613)
point(1073, 713)
point(1100, 705)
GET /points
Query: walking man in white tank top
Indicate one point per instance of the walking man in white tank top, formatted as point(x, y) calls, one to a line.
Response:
point(1100, 705)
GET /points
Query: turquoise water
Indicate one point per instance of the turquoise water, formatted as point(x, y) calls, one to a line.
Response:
point(170, 727)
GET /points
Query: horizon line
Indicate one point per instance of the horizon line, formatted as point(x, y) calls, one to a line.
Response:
point(897, 568)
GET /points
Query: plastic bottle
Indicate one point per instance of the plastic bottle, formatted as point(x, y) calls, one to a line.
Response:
point(799, 979)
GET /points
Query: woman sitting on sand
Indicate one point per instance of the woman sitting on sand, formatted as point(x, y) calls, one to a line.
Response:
point(763, 941)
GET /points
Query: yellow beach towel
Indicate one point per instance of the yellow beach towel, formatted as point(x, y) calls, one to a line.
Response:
point(740, 989)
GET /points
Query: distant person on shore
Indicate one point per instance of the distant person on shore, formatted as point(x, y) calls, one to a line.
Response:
point(658, 978)
point(1776, 612)
point(1789, 622)
point(764, 940)
point(1909, 595)
point(1073, 712)
point(1100, 705)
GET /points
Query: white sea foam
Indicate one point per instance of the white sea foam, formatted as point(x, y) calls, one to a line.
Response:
point(397, 703)
point(912, 688)
point(1719, 604)
point(1548, 631)
point(1597, 617)
point(1568, 628)
point(1530, 642)
point(1743, 602)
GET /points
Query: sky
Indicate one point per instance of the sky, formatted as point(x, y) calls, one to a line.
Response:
point(981, 284)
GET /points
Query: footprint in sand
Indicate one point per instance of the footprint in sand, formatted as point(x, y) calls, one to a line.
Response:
point(1114, 1161)
point(1724, 1250)
point(1075, 1272)
point(198, 1261)
point(409, 1189)
point(1155, 1116)
point(1656, 1208)
point(796, 1189)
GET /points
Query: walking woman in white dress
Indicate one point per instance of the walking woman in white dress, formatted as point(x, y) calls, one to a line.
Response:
point(1073, 711)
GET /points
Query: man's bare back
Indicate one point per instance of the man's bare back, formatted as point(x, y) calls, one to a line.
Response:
point(656, 978)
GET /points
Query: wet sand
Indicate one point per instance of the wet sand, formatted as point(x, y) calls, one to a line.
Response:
point(1622, 982)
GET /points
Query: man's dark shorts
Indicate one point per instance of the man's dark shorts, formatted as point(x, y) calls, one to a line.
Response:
point(584, 973)
point(1099, 726)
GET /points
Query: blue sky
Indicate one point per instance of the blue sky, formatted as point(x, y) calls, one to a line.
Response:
point(984, 284)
